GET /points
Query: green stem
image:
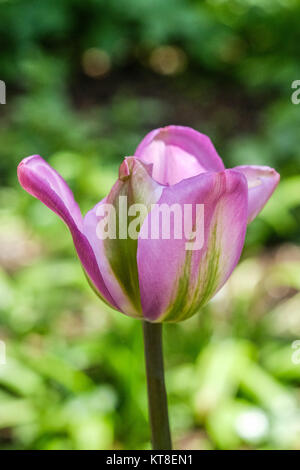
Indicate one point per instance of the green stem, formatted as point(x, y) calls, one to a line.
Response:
point(157, 396)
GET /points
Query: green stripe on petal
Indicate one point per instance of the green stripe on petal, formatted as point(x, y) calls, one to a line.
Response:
point(186, 302)
point(136, 184)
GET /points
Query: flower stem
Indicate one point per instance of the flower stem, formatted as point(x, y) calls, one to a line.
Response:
point(157, 396)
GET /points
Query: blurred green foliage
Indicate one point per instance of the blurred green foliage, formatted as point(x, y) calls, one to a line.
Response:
point(85, 82)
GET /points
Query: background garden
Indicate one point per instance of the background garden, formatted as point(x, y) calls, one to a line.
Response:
point(86, 80)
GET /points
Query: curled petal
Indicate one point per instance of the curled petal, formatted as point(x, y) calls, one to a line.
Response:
point(116, 252)
point(262, 182)
point(177, 153)
point(176, 282)
point(41, 181)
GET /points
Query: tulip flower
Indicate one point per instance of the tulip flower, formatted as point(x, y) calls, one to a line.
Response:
point(173, 165)
point(156, 279)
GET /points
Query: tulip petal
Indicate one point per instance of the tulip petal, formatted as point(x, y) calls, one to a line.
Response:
point(177, 153)
point(262, 182)
point(39, 179)
point(175, 282)
point(116, 255)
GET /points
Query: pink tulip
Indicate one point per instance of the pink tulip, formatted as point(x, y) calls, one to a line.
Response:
point(158, 279)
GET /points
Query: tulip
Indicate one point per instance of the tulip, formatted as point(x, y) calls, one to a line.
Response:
point(156, 279)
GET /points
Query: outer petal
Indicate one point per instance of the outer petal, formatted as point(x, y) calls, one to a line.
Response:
point(117, 256)
point(43, 182)
point(262, 182)
point(178, 152)
point(175, 283)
